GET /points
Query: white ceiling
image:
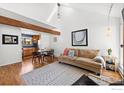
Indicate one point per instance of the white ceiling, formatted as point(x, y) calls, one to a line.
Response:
point(42, 11)
point(102, 8)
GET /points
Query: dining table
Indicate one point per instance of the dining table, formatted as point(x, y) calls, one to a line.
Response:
point(46, 53)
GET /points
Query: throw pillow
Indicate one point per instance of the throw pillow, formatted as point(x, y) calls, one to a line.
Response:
point(71, 53)
point(66, 52)
point(100, 60)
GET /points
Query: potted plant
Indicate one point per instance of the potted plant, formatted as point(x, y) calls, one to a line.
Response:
point(109, 51)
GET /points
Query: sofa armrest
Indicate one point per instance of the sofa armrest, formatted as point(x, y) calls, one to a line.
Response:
point(60, 57)
point(61, 54)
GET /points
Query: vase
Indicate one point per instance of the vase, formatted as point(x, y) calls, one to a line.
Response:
point(109, 53)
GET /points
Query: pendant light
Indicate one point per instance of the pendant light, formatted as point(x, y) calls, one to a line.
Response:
point(109, 28)
point(58, 11)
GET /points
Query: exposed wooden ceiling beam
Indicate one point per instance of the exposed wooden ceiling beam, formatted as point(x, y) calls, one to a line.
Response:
point(18, 23)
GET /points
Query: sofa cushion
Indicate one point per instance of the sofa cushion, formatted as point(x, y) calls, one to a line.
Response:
point(71, 53)
point(87, 61)
point(67, 58)
point(87, 53)
point(66, 51)
point(76, 51)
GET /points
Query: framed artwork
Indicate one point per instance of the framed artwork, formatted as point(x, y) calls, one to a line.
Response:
point(80, 38)
point(9, 39)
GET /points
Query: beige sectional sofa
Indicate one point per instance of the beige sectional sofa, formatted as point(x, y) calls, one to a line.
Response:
point(84, 59)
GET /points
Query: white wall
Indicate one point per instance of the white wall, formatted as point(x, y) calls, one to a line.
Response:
point(121, 49)
point(10, 53)
point(74, 19)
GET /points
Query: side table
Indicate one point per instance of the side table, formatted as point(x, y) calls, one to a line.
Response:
point(111, 63)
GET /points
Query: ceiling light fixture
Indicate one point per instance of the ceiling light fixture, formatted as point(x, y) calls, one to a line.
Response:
point(58, 12)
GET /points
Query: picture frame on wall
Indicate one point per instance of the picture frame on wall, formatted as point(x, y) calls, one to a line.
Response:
point(80, 38)
point(9, 39)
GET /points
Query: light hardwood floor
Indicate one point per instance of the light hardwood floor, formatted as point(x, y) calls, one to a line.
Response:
point(11, 74)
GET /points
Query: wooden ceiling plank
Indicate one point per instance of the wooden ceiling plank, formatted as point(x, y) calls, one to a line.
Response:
point(18, 23)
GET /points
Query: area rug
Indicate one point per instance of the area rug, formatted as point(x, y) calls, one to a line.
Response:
point(57, 74)
point(54, 74)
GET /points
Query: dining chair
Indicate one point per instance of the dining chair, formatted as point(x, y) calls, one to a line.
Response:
point(36, 55)
point(49, 53)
